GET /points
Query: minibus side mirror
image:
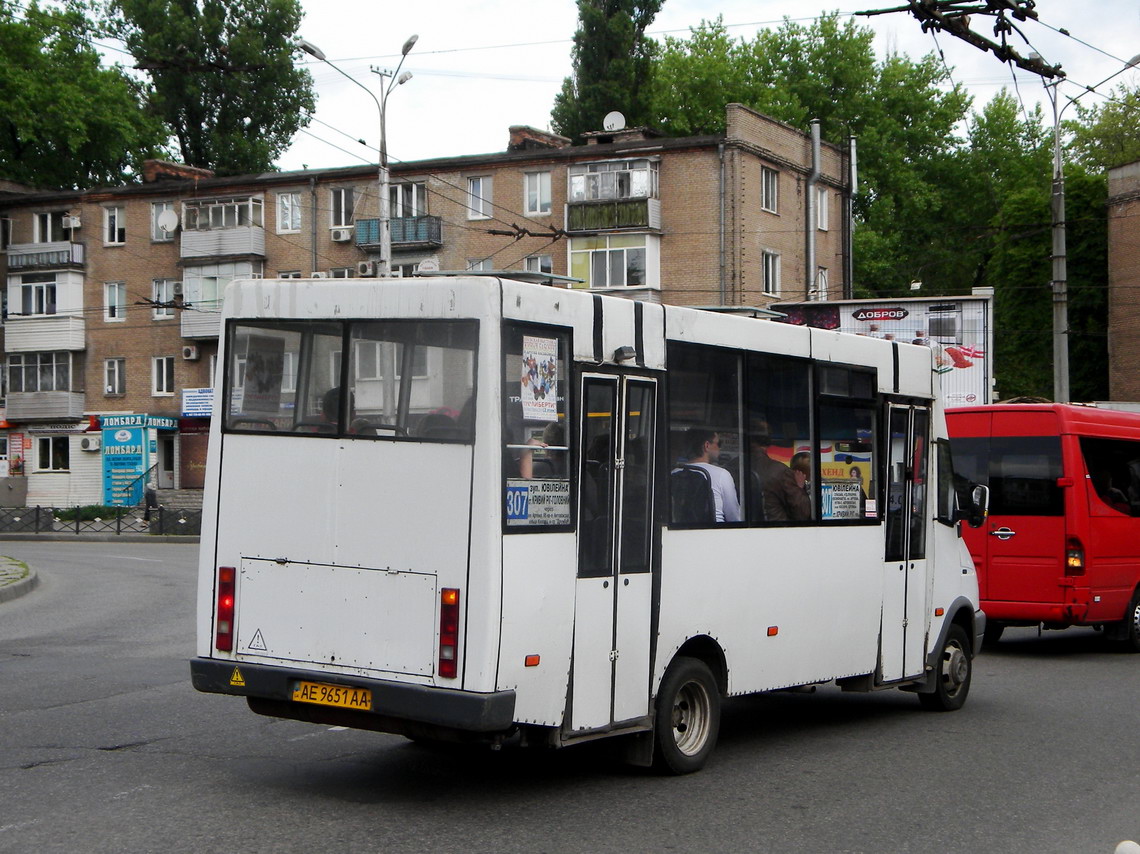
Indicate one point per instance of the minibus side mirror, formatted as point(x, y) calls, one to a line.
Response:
point(979, 507)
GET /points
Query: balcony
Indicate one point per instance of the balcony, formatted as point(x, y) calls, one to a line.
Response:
point(39, 405)
point(224, 242)
point(203, 322)
point(408, 232)
point(44, 332)
point(612, 214)
point(23, 257)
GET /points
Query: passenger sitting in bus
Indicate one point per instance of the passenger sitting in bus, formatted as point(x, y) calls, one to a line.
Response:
point(703, 449)
point(553, 462)
point(782, 494)
point(1109, 494)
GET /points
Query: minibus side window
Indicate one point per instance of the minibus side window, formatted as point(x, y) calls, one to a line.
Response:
point(1023, 472)
point(1113, 467)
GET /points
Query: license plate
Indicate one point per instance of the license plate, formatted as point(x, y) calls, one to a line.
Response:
point(332, 695)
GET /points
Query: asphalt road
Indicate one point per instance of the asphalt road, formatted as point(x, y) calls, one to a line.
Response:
point(104, 746)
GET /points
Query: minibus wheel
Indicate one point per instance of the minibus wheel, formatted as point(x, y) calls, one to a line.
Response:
point(955, 669)
point(1132, 624)
point(687, 718)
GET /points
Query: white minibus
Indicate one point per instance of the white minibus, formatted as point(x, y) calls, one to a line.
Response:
point(480, 509)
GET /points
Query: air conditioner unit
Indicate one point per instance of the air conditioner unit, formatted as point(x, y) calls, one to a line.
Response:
point(72, 222)
point(177, 289)
point(341, 235)
point(319, 275)
point(366, 268)
point(90, 443)
point(190, 353)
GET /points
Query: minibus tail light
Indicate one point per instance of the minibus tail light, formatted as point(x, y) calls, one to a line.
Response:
point(1074, 557)
point(448, 632)
point(224, 616)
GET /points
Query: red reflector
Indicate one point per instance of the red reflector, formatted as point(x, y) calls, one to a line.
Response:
point(224, 615)
point(448, 632)
point(938, 612)
point(531, 661)
point(773, 631)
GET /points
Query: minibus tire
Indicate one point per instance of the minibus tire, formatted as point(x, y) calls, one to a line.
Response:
point(955, 670)
point(1131, 633)
point(687, 718)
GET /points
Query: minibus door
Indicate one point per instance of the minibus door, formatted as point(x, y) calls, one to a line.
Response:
point(610, 672)
point(903, 631)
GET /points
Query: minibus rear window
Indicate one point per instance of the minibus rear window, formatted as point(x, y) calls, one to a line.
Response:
point(1021, 472)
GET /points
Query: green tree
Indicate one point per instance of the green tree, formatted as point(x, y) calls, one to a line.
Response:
point(612, 62)
point(1108, 134)
point(67, 121)
point(223, 75)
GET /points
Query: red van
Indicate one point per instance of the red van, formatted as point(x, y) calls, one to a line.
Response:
point(1061, 546)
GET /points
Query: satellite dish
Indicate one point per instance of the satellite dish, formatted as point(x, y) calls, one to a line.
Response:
point(613, 121)
point(168, 221)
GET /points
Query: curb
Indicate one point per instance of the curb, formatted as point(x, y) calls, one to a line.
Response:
point(63, 537)
point(18, 588)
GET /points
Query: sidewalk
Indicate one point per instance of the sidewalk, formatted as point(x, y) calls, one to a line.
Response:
point(16, 578)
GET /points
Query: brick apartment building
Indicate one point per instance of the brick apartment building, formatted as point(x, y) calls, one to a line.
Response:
point(113, 295)
point(1124, 282)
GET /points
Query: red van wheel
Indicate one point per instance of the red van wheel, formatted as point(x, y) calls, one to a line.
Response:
point(1132, 623)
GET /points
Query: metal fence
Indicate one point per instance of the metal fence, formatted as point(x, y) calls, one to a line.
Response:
point(113, 520)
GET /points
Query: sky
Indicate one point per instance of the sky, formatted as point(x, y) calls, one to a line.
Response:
point(478, 68)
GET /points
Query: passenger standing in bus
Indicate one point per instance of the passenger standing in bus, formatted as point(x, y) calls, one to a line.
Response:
point(703, 447)
point(783, 495)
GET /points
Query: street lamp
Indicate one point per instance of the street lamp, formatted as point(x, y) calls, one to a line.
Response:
point(384, 266)
point(1060, 267)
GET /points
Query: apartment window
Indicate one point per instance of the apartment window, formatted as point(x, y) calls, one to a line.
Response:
point(115, 376)
point(115, 301)
point(342, 207)
point(614, 260)
point(288, 213)
point(114, 226)
point(5, 233)
point(288, 274)
point(342, 272)
point(615, 179)
point(479, 197)
point(480, 264)
point(162, 375)
point(157, 232)
point(821, 197)
point(52, 453)
point(405, 270)
point(769, 189)
point(539, 263)
point(37, 294)
point(50, 227)
point(204, 286)
point(407, 200)
point(537, 193)
point(39, 372)
point(771, 261)
point(821, 284)
point(163, 296)
point(213, 214)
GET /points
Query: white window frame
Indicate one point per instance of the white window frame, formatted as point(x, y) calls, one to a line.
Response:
point(114, 225)
point(769, 189)
point(342, 273)
point(536, 196)
point(821, 284)
point(157, 209)
point(45, 224)
point(289, 213)
point(342, 201)
point(480, 189)
point(115, 376)
point(39, 298)
point(770, 263)
point(114, 302)
point(408, 199)
point(46, 453)
point(481, 264)
point(586, 250)
point(606, 180)
point(217, 214)
point(539, 263)
point(162, 291)
point(288, 274)
point(821, 213)
point(36, 366)
point(162, 376)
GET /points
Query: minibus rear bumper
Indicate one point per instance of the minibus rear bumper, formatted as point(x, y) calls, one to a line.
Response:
point(1071, 613)
point(270, 691)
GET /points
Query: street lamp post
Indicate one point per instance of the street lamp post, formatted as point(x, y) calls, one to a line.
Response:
point(384, 265)
point(1060, 261)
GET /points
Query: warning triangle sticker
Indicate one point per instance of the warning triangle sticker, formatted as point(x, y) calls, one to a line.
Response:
point(236, 679)
point(258, 641)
